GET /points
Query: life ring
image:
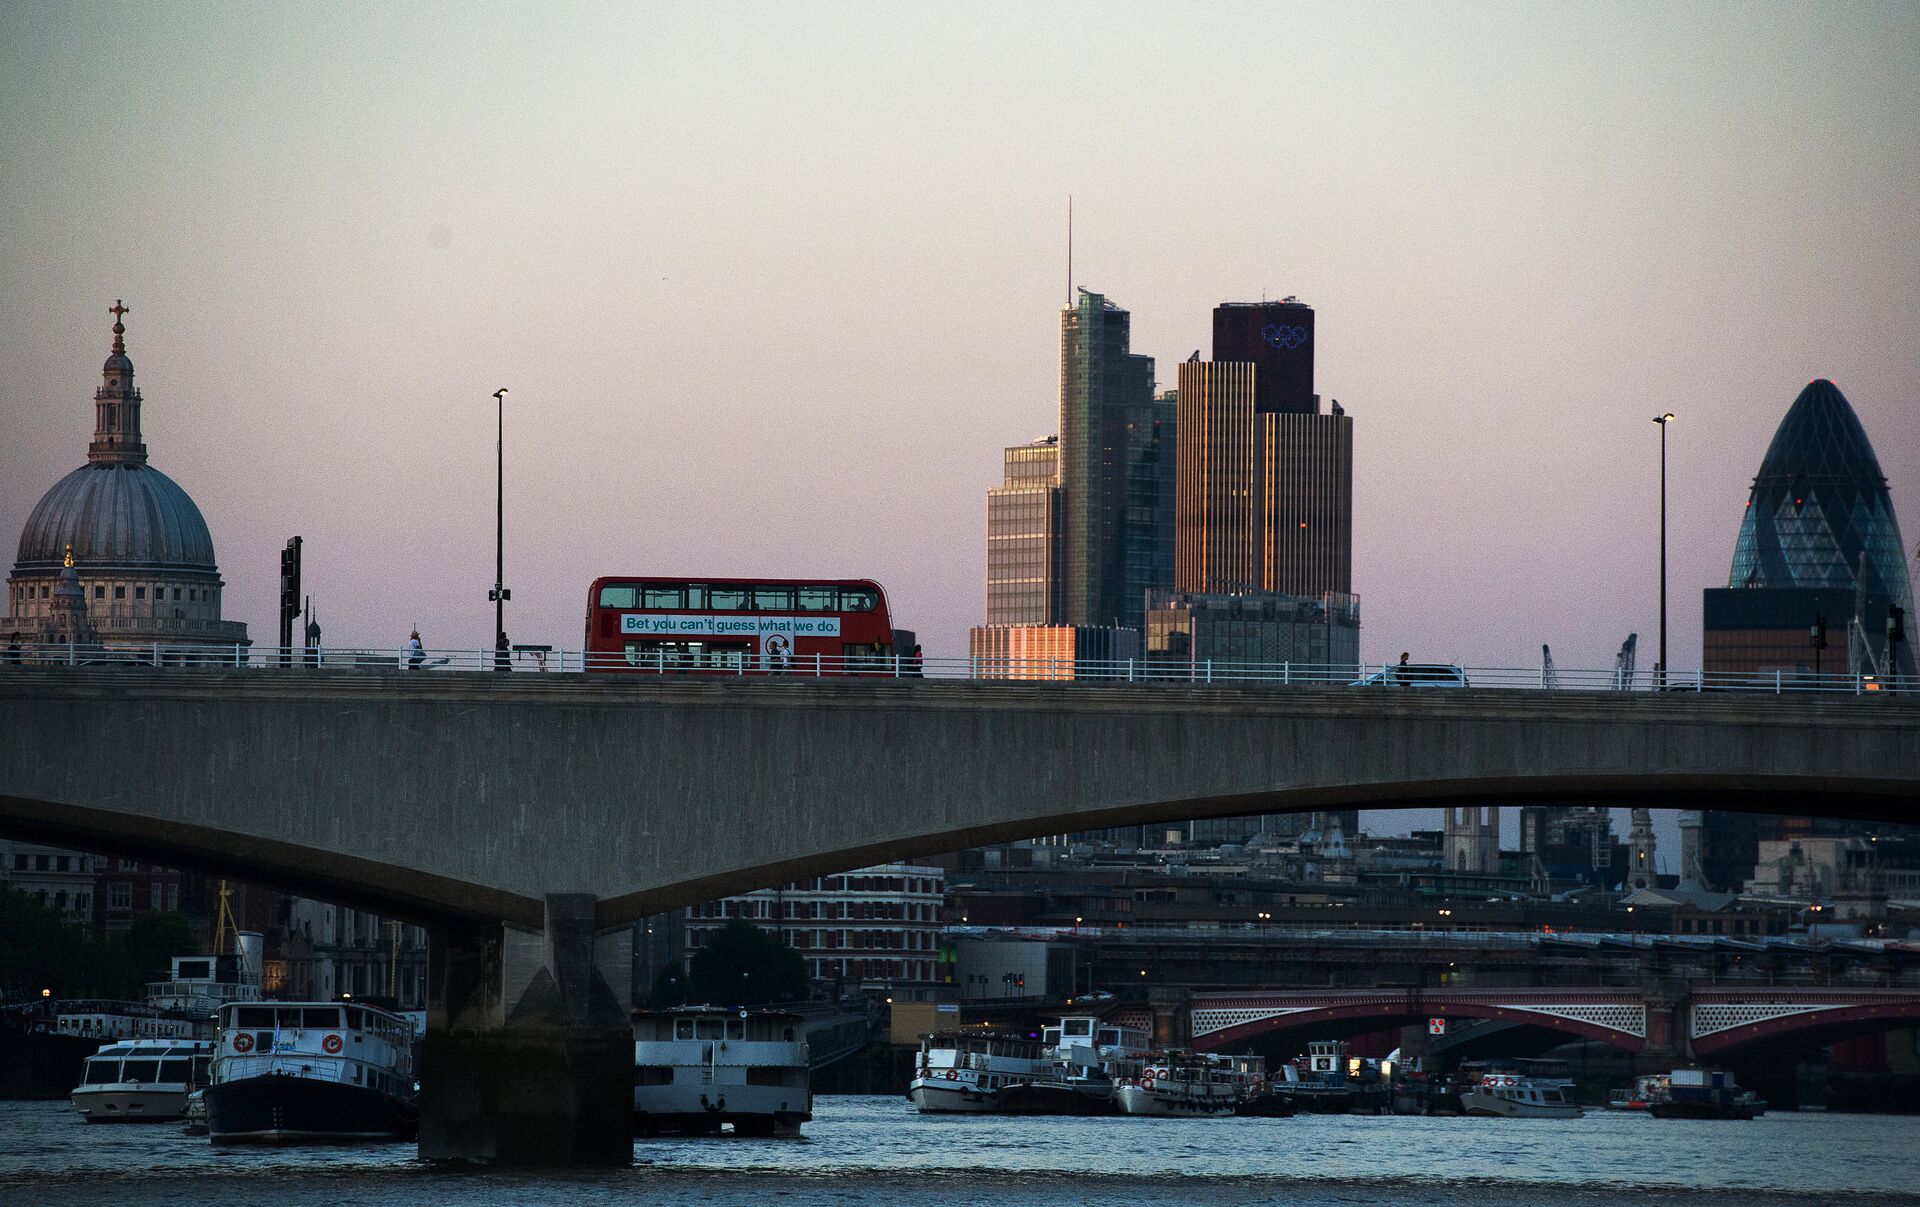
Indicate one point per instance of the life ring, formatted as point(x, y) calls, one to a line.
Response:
point(950, 1075)
point(242, 1042)
point(1147, 1084)
point(332, 1045)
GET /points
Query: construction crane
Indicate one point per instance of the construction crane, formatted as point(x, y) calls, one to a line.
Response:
point(1623, 663)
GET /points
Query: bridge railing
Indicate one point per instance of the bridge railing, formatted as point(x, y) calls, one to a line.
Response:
point(1010, 670)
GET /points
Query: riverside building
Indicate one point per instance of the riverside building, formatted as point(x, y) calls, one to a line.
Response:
point(875, 924)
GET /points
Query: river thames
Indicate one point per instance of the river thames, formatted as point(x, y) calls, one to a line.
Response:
point(871, 1150)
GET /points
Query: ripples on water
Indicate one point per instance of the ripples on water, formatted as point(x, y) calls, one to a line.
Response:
point(861, 1151)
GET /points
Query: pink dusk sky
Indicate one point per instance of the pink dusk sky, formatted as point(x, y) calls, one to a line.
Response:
point(771, 285)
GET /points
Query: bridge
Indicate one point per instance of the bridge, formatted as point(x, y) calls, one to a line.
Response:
point(527, 817)
point(1670, 1024)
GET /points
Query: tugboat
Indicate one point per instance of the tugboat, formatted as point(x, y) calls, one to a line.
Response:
point(1646, 1091)
point(1325, 1088)
point(964, 1071)
point(1705, 1094)
point(141, 1080)
point(697, 1068)
point(1085, 1055)
point(311, 1072)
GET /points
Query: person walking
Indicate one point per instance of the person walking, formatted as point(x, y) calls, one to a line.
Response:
point(914, 664)
point(13, 648)
point(416, 653)
point(502, 653)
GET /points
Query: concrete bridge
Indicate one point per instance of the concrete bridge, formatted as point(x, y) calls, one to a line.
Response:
point(526, 817)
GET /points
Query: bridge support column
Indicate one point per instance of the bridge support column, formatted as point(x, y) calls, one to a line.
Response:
point(1669, 1043)
point(1172, 1009)
point(528, 1057)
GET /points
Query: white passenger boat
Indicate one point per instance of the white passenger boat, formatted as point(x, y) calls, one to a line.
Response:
point(306, 1072)
point(961, 1071)
point(1509, 1096)
point(1181, 1083)
point(141, 1080)
point(697, 1068)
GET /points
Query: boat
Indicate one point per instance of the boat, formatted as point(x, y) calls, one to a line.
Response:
point(964, 1071)
point(1068, 1091)
point(141, 1080)
point(1512, 1096)
point(1706, 1094)
point(311, 1072)
point(1646, 1091)
point(697, 1069)
point(1181, 1083)
point(1326, 1085)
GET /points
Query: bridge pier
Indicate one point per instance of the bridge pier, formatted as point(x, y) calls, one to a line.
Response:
point(1172, 1010)
point(528, 1057)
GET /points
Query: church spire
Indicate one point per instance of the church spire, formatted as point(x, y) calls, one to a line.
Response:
point(116, 404)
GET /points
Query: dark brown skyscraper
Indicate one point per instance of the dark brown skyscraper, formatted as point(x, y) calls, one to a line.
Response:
point(1264, 495)
point(1277, 339)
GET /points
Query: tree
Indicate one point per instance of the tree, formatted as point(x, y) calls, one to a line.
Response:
point(155, 939)
point(41, 950)
point(669, 987)
point(743, 965)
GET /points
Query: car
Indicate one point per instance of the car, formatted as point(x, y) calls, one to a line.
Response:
point(1415, 674)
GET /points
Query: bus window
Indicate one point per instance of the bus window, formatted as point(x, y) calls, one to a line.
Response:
point(819, 599)
point(663, 597)
point(726, 599)
point(858, 599)
point(776, 599)
point(621, 596)
point(696, 595)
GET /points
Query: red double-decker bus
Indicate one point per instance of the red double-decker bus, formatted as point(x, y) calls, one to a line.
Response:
point(739, 626)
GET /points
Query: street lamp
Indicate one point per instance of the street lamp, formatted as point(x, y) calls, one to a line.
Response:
point(1663, 421)
point(500, 595)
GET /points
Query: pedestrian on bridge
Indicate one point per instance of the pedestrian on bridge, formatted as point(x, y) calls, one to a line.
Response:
point(416, 653)
point(13, 648)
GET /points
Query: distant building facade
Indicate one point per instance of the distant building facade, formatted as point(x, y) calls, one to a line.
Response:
point(877, 923)
point(1471, 838)
point(1060, 651)
point(1195, 629)
point(1026, 580)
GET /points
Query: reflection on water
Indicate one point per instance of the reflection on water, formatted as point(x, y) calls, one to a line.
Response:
point(877, 1150)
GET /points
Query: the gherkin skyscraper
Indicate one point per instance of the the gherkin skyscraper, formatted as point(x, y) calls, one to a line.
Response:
point(1818, 541)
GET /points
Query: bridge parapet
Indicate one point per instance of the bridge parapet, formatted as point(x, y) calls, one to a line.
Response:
point(1619, 1017)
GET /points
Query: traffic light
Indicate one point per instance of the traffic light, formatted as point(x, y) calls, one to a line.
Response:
point(1818, 633)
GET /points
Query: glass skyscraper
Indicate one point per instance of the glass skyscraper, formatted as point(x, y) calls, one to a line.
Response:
point(1116, 467)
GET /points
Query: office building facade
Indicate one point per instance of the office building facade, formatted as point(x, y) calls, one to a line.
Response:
point(1264, 498)
point(1025, 583)
point(1818, 540)
point(1195, 629)
point(875, 924)
point(1116, 467)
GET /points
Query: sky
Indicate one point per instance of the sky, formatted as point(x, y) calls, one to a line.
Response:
point(770, 286)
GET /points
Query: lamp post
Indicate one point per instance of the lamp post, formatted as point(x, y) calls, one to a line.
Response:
point(1663, 421)
point(500, 595)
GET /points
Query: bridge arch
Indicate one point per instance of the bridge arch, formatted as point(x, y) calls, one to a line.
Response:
point(1722, 1024)
point(1219, 1023)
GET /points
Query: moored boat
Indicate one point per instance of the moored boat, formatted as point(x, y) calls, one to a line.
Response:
point(141, 1080)
point(311, 1072)
point(1067, 1092)
point(1510, 1096)
point(962, 1072)
point(1181, 1083)
point(697, 1069)
point(1706, 1094)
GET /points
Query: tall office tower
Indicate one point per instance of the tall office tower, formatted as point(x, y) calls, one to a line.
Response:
point(1818, 539)
point(1265, 487)
point(1024, 546)
point(1277, 339)
point(1115, 465)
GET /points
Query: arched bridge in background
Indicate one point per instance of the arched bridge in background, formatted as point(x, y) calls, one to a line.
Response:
point(1676, 1024)
point(524, 815)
